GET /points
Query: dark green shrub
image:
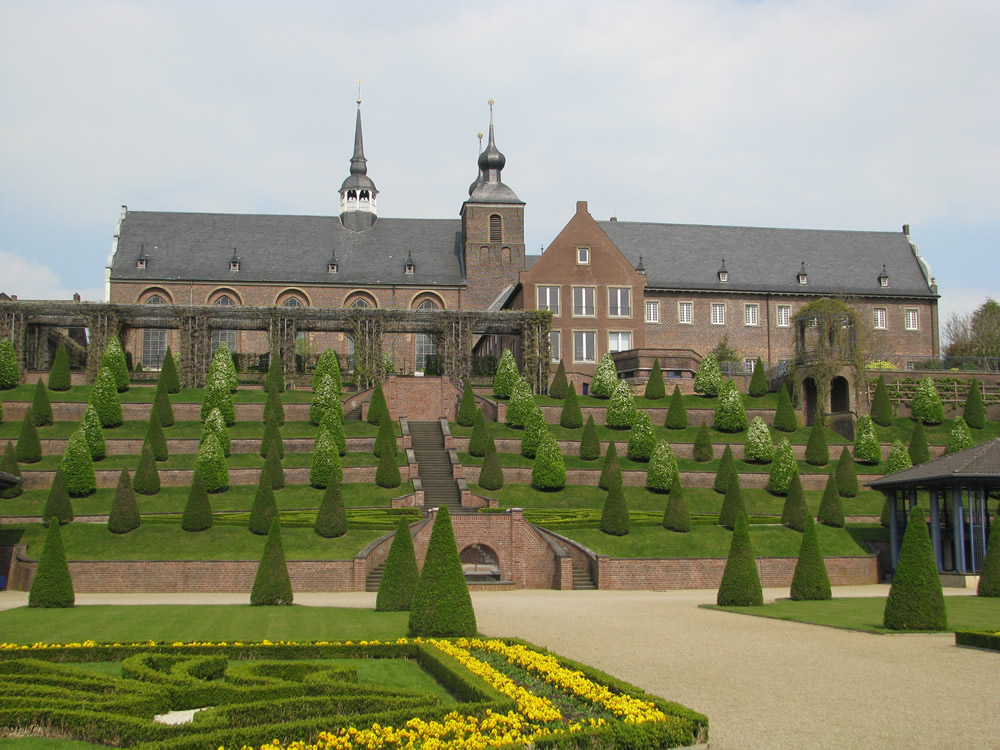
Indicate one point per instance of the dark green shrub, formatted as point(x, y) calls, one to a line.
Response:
point(467, 408)
point(168, 373)
point(78, 466)
point(52, 585)
point(275, 378)
point(520, 403)
point(274, 407)
point(377, 408)
point(211, 464)
point(926, 406)
point(441, 605)
point(590, 446)
point(549, 469)
point(571, 417)
point(614, 518)
point(271, 585)
point(831, 510)
point(161, 404)
point(784, 416)
point(916, 601)
point(919, 452)
point(400, 575)
point(677, 416)
point(605, 377)
point(989, 575)
point(740, 585)
point(331, 519)
point(732, 505)
point(641, 438)
point(758, 382)
point(147, 476)
point(59, 378)
point(385, 440)
point(817, 451)
point(866, 446)
point(676, 517)
point(114, 360)
point(10, 371)
point(708, 379)
point(974, 412)
point(534, 430)
point(387, 474)
point(273, 467)
point(881, 405)
point(104, 399)
point(810, 582)
point(29, 447)
point(491, 475)
point(57, 502)
point(703, 450)
point(328, 364)
point(655, 389)
point(271, 435)
point(92, 430)
point(326, 463)
point(610, 472)
point(621, 410)
point(154, 437)
point(477, 443)
point(758, 446)
point(41, 409)
point(506, 375)
point(959, 438)
point(662, 468)
point(559, 383)
point(847, 476)
point(783, 468)
point(886, 512)
point(794, 512)
point(730, 415)
point(265, 508)
point(8, 465)
point(218, 396)
point(198, 508)
point(124, 515)
point(726, 467)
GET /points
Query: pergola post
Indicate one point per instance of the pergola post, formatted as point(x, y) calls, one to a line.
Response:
point(936, 529)
point(958, 523)
point(893, 529)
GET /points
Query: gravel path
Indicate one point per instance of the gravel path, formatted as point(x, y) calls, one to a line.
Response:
point(762, 683)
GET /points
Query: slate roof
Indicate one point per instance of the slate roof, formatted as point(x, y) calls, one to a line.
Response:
point(287, 249)
point(980, 463)
point(688, 257)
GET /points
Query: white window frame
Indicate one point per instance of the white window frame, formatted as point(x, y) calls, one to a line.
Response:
point(615, 295)
point(583, 256)
point(555, 345)
point(718, 313)
point(911, 319)
point(751, 314)
point(749, 365)
point(593, 339)
point(879, 318)
point(618, 347)
point(550, 291)
point(784, 316)
point(652, 311)
point(593, 302)
point(688, 307)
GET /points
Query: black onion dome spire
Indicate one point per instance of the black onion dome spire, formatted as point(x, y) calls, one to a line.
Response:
point(489, 188)
point(359, 179)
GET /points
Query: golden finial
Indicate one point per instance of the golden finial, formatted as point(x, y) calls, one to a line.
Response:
point(359, 92)
point(491, 104)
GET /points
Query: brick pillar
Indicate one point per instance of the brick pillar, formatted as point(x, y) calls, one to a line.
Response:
point(565, 573)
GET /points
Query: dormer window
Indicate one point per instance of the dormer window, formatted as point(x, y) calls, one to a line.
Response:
point(883, 278)
point(723, 273)
point(331, 267)
point(409, 268)
point(802, 276)
point(640, 269)
point(140, 263)
point(234, 262)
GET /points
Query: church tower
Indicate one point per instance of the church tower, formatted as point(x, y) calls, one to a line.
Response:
point(492, 230)
point(357, 194)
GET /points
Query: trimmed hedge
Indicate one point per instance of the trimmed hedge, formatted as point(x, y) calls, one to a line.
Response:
point(59, 376)
point(467, 408)
point(377, 408)
point(52, 585)
point(161, 404)
point(989, 575)
point(273, 467)
point(8, 465)
point(331, 518)
point(124, 515)
point(614, 517)
point(784, 416)
point(783, 468)
point(265, 508)
point(29, 447)
point(919, 452)
point(817, 450)
point(506, 375)
point(758, 448)
point(847, 476)
point(274, 407)
point(677, 416)
point(974, 411)
point(400, 575)
point(275, 378)
point(104, 399)
point(898, 459)
point(114, 359)
point(557, 389)
point(198, 508)
point(570, 416)
point(662, 468)
point(323, 397)
point(521, 402)
point(703, 450)
point(78, 467)
point(740, 585)
point(831, 510)
point(441, 605)
point(57, 502)
point(549, 469)
point(147, 476)
point(10, 372)
point(168, 373)
point(610, 471)
point(960, 438)
point(271, 585)
point(926, 406)
point(794, 512)
point(881, 405)
point(727, 465)
point(491, 475)
point(621, 412)
point(708, 379)
point(676, 516)
point(916, 601)
point(590, 444)
point(477, 443)
point(758, 382)
point(327, 364)
point(810, 581)
point(732, 506)
point(41, 409)
point(605, 378)
point(655, 389)
point(326, 462)
point(534, 430)
point(211, 464)
point(641, 439)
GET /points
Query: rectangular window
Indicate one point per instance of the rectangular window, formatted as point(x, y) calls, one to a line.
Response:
point(750, 315)
point(652, 312)
point(749, 365)
point(619, 341)
point(555, 353)
point(548, 298)
point(718, 314)
point(880, 318)
point(583, 301)
point(912, 319)
point(584, 346)
point(684, 312)
point(784, 316)
point(619, 302)
point(583, 256)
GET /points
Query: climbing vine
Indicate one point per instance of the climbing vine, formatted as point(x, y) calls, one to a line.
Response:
point(535, 348)
point(827, 340)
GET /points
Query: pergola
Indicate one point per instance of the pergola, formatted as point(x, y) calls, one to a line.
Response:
point(959, 485)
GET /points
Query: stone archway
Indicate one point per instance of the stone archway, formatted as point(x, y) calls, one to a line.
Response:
point(840, 395)
point(480, 563)
point(809, 397)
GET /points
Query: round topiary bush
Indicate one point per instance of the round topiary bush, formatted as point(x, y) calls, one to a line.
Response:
point(441, 605)
point(265, 508)
point(703, 449)
point(919, 451)
point(676, 516)
point(222, 362)
point(794, 512)
point(810, 581)
point(662, 468)
point(477, 443)
point(727, 465)
point(400, 575)
point(641, 439)
point(559, 384)
point(59, 377)
point(331, 519)
point(881, 404)
point(783, 468)
point(610, 472)
point(732, 504)
point(506, 375)
point(655, 389)
point(740, 585)
point(198, 508)
point(708, 379)
point(677, 416)
point(325, 462)
point(78, 467)
point(29, 447)
point(960, 437)
point(52, 585)
point(211, 464)
point(271, 585)
point(124, 516)
point(926, 406)
point(491, 475)
point(730, 416)
point(387, 473)
point(549, 469)
point(614, 517)
point(974, 411)
point(916, 601)
point(147, 477)
point(784, 416)
point(10, 372)
point(114, 360)
point(817, 451)
point(605, 378)
point(758, 447)
point(590, 445)
point(866, 446)
point(521, 402)
point(41, 409)
point(57, 502)
point(323, 397)
point(534, 430)
point(847, 476)
point(570, 416)
point(621, 411)
point(467, 408)
point(104, 399)
point(899, 458)
point(168, 373)
point(218, 396)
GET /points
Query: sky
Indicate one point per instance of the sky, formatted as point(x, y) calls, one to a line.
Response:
point(826, 115)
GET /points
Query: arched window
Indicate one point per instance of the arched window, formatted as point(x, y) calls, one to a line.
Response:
point(219, 335)
point(360, 302)
point(496, 228)
point(424, 344)
point(154, 340)
point(292, 302)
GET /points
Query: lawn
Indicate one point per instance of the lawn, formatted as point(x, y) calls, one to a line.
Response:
point(691, 401)
point(865, 613)
point(144, 394)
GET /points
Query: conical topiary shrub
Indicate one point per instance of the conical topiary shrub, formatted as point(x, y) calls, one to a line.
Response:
point(758, 381)
point(727, 465)
point(571, 417)
point(377, 409)
point(387, 474)
point(794, 512)
point(168, 373)
point(273, 407)
point(590, 445)
point(274, 469)
point(323, 398)
point(732, 505)
point(549, 469)
point(29, 447)
point(655, 389)
point(326, 462)
point(272, 435)
point(222, 362)
point(147, 476)
point(740, 585)
point(467, 408)
point(916, 601)
point(559, 385)
point(59, 377)
point(881, 404)
point(155, 439)
point(211, 464)
point(198, 508)
point(491, 475)
point(521, 402)
point(333, 423)
point(41, 409)
point(104, 399)
point(52, 585)
point(758, 447)
point(817, 450)
point(331, 519)
point(677, 416)
point(662, 468)
point(919, 451)
point(400, 575)
point(534, 429)
point(899, 458)
point(8, 465)
point(708, 379)
point(784, 416)
point(385, 439)
point(926, 406)
point(730, 415)
point(605, 378)
point(477, 443)
point(703, 449)
point(847, 476)
point(610, 472)
point(78, 466)
point(885, 515)
point(10, 371)
point(328, 364)
point(810, 581)
point(57, 502)
point(441, 605)
point(218, 396)
point(94, 433)
point(989, 575)
point(783, 468)
point(161, 404)
point(271, 585)
point(960, 437)
point(265, 508)
point(866, 446)
point(614, 518)
point(124, 516)
point(974, 412)
point(621, 411)
point(506, 375)
point(676, 516)
point(641, 439)
point(831, 510)
point(275, 378)
point(114, 360)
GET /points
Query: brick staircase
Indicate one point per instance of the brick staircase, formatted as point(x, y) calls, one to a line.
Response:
point(582, 580)
point(354, 413)
point(374, 577)
point(434, 468)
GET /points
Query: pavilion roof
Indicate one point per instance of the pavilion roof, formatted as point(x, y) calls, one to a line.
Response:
point(979, 464)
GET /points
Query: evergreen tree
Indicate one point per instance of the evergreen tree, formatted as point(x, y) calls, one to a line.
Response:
point(886, 512)
point(198, 508)
point(733, 505)
point(265, 508)
point(477, 443)
point(8, 465)
point(571, 417)
point(708, 379)
point(491, 475)
point(758, 382)
point(41, 409)
point(467, 409)
point(29, 447)
point(740, 585)
point(10, 371)
point(333, 423)
point(385, 440)
point(662, 468)
point(726, 467)
point(161, 403)
point(275, 378)
point(147, 476)
point(52, 585)
point(919, 452)
point(605, 378)
point(274, 469)
point(387, 473)
point(271, 435)
point(677, 416)
point(757, 447)
point(783, 468)
point(271, 585)
point(621, 411)
point(441, 605)
point(154, 436)
point(881, 404)
point(641, 439)
point(866, 446)
point(989, 575)
point(534, 430)
point(328, 364)
point(831, 510)
point(794, 512)
point(817, 451)
point(273, 407)
point(326, 462)
point(521, 402)
point(676, 517)
point(974, 412)
point(926, 406)
point(400, 575)
point(218, 396)
point(377, 408)
point(104, 399)
point(899, 458)
point(549, 469)
point(78, 466)
point(222, 362)
point(57, 502)
point(960, 437)
point(211, 464)
point(916, 601)
point(323, 398)
point(703, 450)
point(614, 518)
point(610, 471)
point(847, 476)
point(59, 377)
point(559, 384)
point(655, 389)
point(810, 581)
point(590, 446)
point(168, 373)
point(114, 360)
point(730, 415)
point(92, 431)
point(331, 519)
point(784, 416)
point(124, 516)
point(506, 375)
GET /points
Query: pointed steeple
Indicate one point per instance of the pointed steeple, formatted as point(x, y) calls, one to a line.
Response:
point(489, 188)
point(357, 194)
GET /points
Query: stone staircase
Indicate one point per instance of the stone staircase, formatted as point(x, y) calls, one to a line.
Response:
point(582, 580)
point(374, 577)
point(434, 467)
point(354, 413)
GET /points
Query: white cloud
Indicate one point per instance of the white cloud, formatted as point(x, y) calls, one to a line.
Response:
point(29, 280)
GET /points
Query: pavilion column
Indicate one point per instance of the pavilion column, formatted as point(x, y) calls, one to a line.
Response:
point(893, 529)
point(958, 523)
point(977, 528)
point(936, 529)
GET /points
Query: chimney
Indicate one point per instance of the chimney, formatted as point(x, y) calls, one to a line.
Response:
point(613, 218)
point(76, 296)
point(581, 207)
point(906, 229)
